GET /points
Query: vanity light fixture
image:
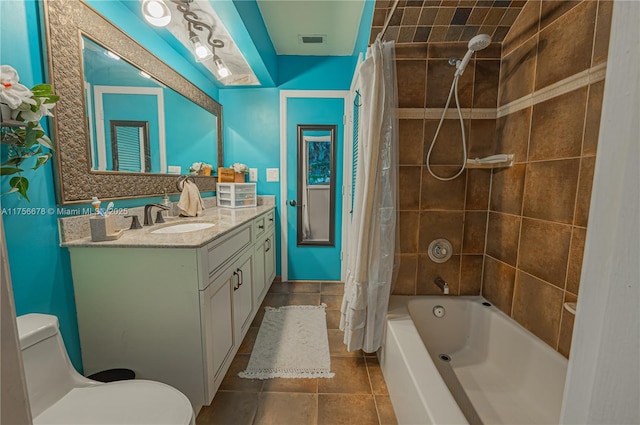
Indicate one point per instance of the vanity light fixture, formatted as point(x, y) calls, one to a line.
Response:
point(156, 13)
point(144, 75)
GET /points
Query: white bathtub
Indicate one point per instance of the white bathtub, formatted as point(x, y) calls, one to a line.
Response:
point(498, 373)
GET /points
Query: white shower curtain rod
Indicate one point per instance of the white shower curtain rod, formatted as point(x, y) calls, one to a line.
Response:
point(386, 23)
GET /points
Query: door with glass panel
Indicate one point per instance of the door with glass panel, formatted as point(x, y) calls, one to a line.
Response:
point(314, 201)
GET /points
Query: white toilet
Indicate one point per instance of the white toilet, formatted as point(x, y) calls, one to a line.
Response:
point(60, 395)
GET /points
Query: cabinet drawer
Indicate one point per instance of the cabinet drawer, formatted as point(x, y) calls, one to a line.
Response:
point(222, 251)
point(270, 219)
point(259, 226)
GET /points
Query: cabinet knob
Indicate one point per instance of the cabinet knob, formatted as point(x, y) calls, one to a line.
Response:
point(271, 219)
point(260, 226)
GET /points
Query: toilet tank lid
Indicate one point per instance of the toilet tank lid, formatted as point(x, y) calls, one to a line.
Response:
point(35, 327)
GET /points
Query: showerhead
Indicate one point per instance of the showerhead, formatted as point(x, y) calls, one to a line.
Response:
point(479, 42)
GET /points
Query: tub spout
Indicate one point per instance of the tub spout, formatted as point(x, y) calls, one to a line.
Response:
point(444, 286)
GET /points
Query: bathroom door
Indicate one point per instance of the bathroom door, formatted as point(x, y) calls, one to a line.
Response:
point(310, 262)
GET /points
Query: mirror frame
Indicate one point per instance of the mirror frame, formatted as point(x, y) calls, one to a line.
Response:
point(65, 23)
point(333, 131)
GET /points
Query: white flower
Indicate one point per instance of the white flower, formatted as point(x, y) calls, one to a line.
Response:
point(12, 92)
point(44, 110)
point(240, 168)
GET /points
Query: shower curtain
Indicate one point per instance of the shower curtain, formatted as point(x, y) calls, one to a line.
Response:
point(370, 269)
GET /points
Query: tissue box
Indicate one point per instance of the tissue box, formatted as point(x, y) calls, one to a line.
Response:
point(226, 175)
point(104, 228)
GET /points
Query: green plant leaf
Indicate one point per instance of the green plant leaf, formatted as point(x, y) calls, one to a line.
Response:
point(12, 190)
point(42, 89)
point(41, 160)
point(30, 137)
point(52, 98)
point(46, 142)
point(15, 161)
point(5, 171)
point(21, 184)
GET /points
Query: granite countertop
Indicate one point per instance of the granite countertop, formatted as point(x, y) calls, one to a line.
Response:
point(225, 220)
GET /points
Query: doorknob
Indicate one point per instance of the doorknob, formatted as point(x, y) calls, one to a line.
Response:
point(292, 202)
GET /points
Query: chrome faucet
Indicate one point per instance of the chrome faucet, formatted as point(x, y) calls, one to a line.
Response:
point(440, 283)
point(148, 221)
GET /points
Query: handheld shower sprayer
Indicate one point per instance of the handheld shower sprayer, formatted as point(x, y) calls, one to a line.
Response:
point(479, 42)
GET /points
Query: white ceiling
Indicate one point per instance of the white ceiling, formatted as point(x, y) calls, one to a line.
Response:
point(287, 20)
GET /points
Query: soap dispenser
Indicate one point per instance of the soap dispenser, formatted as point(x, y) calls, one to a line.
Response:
point(167, 203)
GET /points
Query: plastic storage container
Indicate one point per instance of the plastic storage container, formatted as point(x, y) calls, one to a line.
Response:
point(236, 195)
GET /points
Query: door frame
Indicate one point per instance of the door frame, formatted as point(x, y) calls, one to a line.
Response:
point(285, 95)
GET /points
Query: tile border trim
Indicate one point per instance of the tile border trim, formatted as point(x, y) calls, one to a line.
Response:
point(576, 81)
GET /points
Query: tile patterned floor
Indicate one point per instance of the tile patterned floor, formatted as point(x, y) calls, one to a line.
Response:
point(356, 395)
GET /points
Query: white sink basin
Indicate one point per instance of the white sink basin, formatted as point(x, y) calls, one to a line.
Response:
point(183, 228)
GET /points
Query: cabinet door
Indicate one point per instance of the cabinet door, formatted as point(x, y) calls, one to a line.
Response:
point(270, 259)
point(259, 277)
point(218, 328)
point(242, 295)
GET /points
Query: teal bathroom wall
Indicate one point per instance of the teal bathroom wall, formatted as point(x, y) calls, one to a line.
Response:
point(40, 269)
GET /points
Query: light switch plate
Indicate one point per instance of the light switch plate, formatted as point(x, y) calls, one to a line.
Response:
point(273, 174)
point(174, 169)
point(253, 174)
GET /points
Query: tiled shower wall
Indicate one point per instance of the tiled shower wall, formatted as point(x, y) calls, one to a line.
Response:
point(430, 209)
point(518, 234)
point(538, 209)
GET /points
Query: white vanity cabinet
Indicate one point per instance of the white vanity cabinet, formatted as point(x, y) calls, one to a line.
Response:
point(175, 315)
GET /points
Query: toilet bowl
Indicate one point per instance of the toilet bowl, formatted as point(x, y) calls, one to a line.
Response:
point(60, 395)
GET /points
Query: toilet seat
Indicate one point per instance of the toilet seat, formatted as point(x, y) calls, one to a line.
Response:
point(124, 402)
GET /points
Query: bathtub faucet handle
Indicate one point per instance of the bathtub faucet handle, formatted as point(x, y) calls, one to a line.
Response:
point(440, 283)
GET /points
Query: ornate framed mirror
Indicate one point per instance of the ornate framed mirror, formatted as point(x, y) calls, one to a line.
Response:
point(70, 25)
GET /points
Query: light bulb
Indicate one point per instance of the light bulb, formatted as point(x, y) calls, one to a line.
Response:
point(112, 55)
point(200, 50)
point(221, 68)
point(156, 13)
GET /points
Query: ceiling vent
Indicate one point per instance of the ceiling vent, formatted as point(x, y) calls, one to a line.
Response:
point(312, 39)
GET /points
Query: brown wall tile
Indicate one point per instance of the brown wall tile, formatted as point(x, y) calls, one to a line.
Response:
point(442, 195)
point(517, 72)
point(440, 224)
point(498, 280)
point(409, 221)
point(544, 250)
point(557, 126)
point(557, 57)
point(411, 141)
point(448, 145)
point(478, 187)
point(409, 184)
point(412, 89)
point(585, 185)
point(603, 30)
point(507, 189)
point(482, 138)
point(407, 274)
point(428, 271)
point(503, 234)
point(578, 238)
point(411, 51)
point(446, 50)
point(440, 77)
point(553, 9)
point(592, 124)
point(537, 306)
point(485, 90)
point(475, 230)
point(550, 190)
point(471, 274)
point(512, 134)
